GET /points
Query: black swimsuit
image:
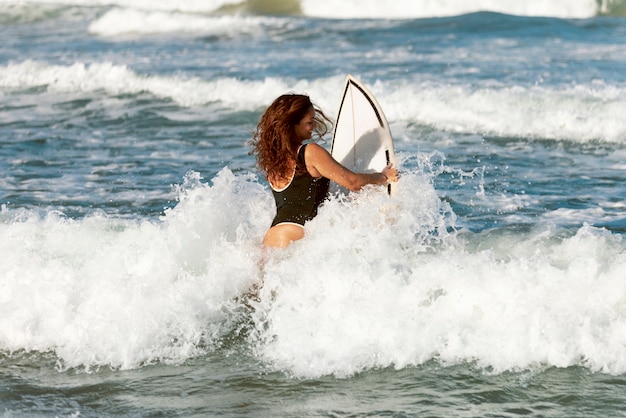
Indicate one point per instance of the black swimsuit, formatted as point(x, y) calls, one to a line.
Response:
point(298, 202)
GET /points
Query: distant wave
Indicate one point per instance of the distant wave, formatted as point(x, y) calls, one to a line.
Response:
point(111, 79)
point(121, 21)
point(189, 6)
point(574, 113)
point(357, 9)
point(403, 9)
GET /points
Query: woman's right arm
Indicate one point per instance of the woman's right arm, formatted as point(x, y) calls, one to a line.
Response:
point(320, 163)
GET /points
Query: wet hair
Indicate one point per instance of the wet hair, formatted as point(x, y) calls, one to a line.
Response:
point(275, 143)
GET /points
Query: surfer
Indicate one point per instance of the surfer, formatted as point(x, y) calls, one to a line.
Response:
point(299, 173)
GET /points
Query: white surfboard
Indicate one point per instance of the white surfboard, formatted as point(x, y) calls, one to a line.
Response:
point(362, 140)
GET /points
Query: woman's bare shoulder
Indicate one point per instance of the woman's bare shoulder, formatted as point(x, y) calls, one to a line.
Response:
point(316, 150)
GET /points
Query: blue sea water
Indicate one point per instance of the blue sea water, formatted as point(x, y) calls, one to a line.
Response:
point(492, 284)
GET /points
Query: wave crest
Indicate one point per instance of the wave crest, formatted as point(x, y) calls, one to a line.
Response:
point(348, 9)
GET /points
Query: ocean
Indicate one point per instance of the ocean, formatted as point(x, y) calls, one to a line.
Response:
point(493, 284)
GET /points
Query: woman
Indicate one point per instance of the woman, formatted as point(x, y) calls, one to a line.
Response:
point(298, 173)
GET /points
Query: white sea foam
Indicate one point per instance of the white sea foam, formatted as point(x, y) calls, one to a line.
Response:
point(375, 303)
point(195, 6)
point(574, 113)
point(102, 291)
point(114, 79)
point(398, 9)
point(579, 113)
point(403, 9)
point(132, 21)
point(377, 282)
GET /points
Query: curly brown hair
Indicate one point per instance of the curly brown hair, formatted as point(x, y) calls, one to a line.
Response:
point(275, 143)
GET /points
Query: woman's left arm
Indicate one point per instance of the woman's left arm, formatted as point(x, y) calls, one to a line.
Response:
point(320, 163)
